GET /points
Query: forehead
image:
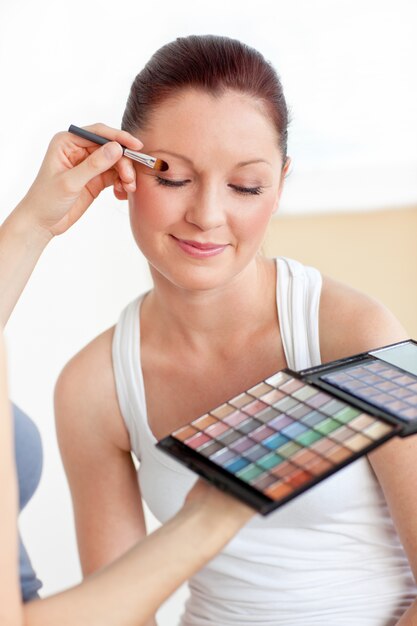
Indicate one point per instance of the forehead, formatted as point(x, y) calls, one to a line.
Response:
point(197, 119)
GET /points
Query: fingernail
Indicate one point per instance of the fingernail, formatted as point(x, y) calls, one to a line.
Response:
point(112, 150)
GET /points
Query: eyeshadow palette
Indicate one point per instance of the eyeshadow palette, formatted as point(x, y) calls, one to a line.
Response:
point(287, 433)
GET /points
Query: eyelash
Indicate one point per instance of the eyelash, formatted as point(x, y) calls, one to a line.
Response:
point(245, 191)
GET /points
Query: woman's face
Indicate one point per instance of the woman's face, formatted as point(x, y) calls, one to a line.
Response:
point(202, 222)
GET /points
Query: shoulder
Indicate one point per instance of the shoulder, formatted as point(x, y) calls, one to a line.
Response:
point(85, 392)
point(352, 322)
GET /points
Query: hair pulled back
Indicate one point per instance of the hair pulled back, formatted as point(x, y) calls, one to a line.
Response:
point(212, 64)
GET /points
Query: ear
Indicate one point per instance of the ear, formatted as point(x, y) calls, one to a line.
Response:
point(284, 173)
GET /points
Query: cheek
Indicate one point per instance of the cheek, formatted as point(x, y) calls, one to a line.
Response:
point(147, 210)
point(252, 223)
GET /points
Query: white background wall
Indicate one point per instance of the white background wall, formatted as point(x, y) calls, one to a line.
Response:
point(348, 69)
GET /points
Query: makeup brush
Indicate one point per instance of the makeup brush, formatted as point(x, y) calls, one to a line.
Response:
point(145, 159)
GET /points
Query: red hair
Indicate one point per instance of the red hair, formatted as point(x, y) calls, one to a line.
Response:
point(210, 63)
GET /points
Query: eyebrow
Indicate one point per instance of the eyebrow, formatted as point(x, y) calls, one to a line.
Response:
point(185, 158)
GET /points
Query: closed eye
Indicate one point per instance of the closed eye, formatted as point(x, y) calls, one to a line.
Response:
point(254, 191)
point(167, 182)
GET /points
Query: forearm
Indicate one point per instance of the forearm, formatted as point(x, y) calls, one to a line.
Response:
point(10, 606)
point(129, 591)
point(21, 245)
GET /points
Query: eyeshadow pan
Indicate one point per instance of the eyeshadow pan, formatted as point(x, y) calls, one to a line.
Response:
point(185, 433)
point(260, 389)
point(254, 407)
point(262, 433)
point(327, 426)
point(250, 472)
point(293, 430)
point(277, 379)
point(285, 404)
point(222, 411)
point(196, 441)
point(288, 449)
point(255, 453)
point(264, 481)
point(202, 422)
point(357, 442)
point(319, 399)
point(210, 448)
point(267, 415)
point(361, 422)
point(304, 393)
point(235, 418)
point(249, 425)
point(216, 429)
point(280, 421)
point(309, 437)
point(291, 385)
point(229, 436)
point(269, 460)
point(275, 441)
point(342, 433)
point(347, 414)
point(319, 466)
point(223, 456)
point(323, 445)
point(272, 396)
point(235, 465)
point(304, 456)
point(313, 418)
point(297, 412)
point(298, 478)
point(242, 444)
point(278, 490)
point(338, 454)
point(332, 407)
point(377, 430)
point(283, 469)
point(240, 400)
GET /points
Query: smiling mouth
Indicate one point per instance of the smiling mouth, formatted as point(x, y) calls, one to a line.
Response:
point(200, 248)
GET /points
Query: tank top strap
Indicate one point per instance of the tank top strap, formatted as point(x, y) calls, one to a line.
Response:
point(298, 298)
point(127, 373)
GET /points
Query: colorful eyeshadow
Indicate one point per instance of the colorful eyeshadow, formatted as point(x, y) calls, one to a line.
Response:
point(275, 442)
point(269, 461)
point(288, 449)
point(242, 444)
point(196, 441)
point(327, 426)
point(235, 465)
point(229, 437)
point(259, 390)
point(288, 432)
point(278, 490)
point(202, 422)
point(272, 396)
point(280, 421)
point(249, 425)
point(291, 385)
point(262, 433)
point(254, 407)
point(222, 411)
point(250, 472)
point(240, 400)
point(209, 449)
point(216, 429)
point(185, 433)
point(255, 453)
point(357, 442)
point(267, 415)
point(264, 481)
point(235, 418)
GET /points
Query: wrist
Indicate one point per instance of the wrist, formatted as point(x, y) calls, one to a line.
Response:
point(23, 225)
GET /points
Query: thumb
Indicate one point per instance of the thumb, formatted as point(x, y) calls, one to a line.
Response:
point(98, 162)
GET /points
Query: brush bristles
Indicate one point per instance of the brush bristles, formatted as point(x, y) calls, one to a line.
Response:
point(160, 165)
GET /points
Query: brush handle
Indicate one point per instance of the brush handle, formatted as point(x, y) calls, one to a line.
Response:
point(85, 134)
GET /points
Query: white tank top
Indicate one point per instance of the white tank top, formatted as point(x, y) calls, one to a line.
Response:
point(329, 557)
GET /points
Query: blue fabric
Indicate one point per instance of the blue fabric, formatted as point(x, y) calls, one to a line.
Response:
point(28, 454)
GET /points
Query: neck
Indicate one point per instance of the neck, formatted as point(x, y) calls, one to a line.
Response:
point(216, 317)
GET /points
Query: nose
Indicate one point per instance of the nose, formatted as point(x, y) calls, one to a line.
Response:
point(206, 210)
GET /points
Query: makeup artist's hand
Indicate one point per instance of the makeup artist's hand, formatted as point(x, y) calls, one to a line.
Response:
point(221, 507)
point(73, 173)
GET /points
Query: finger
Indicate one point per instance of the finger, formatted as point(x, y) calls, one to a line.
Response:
point(119, 191)
point(121, 136)
point(97, 163)
point(127, 173)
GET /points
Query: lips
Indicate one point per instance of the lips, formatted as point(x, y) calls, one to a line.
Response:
point(200, 249)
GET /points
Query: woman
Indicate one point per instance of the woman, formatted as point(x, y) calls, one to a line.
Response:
point(219, 318)
point(71, 176)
